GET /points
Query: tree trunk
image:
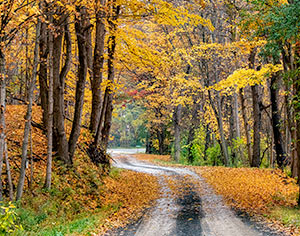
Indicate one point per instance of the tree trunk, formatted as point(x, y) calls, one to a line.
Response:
point(8, 171)
point(149, 144)
point(207, 141)
point(222, 134)
point(29, 114)
point(50, 115)
point(81, 25)
point(99, 129)
point(297, 112)
point(110, 75)
point(177, 118)
point(276, 124)
point(161, 141)
point(98, 67)
point(219, 117)
point(2, 112)
point(246, 125)
point(43, 73)
point(236, 116)
point(60, 138)
point(30, 158)
point(191, 137)
point(256, 159)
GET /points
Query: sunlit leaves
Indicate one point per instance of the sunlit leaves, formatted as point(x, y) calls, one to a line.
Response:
point(246, 77)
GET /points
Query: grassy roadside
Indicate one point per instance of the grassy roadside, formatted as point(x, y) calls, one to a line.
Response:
point(47, 214)
point(261, 193)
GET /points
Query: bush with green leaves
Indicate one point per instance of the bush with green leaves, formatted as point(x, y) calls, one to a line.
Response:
point(8, 219)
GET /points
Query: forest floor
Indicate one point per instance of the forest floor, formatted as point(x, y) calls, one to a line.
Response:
point(210, 200)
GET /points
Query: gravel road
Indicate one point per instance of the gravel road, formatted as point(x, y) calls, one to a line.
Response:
point(195, 212)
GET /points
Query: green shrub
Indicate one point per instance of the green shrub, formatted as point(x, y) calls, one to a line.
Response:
point(8, 218)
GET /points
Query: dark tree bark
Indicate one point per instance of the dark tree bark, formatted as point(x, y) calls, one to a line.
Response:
point(296, 83)
point(98, 62)
point(161, 141)
point(81, 26)
point(149, 144)
point(110, 75)
point(256, 159)
point(256, 101)
point(2, 112)
point(276, 124)
point(59, 75)
point(207, 141)
point(177, 134)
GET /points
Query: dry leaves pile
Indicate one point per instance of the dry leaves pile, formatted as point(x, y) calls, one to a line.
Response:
point(153, 158)
point(131, 193)
point(252, 190)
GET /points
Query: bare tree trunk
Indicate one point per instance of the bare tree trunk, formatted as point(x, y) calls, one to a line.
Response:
point(246, 125)
point(8, 171)
point(81, 25)
point(110, 74)
point(295, 160)
point(219, 117)
point(236, 116)
point(60, 138)
point(29, 114)
point(43, 72)
point(276, 124)
point(296, 83)
point(50, 115)
point(177, 118)
point(256, 159)
point(99, 129)
point(98, 67)
point(161, 141)
point(221, 130)
point(2, 112)
point(30, 157)
point(256, 100)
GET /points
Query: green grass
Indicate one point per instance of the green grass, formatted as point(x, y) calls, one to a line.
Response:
point(44, 214)
point(42, 224)
point(287, 215)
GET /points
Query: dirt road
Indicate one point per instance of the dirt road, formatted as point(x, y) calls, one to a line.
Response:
point(191, 213)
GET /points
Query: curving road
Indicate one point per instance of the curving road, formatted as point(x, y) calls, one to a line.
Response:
point(191, 213)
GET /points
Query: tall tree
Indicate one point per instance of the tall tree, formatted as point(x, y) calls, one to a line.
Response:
point(59, 75)
point(98, 62)
point(82, 27)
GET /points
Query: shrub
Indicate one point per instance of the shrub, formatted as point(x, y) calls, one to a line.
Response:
point(8, 218)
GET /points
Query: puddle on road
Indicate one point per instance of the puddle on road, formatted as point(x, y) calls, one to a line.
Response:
point(190, 214)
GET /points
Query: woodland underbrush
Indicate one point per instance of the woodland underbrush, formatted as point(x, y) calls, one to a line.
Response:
point(82, 198)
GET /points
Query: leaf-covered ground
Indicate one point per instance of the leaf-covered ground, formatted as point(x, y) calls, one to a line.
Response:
point(80, 201)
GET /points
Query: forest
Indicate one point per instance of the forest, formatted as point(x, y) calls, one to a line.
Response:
point(204, 82)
